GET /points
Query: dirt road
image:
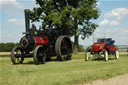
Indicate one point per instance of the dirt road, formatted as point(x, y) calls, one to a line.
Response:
point(119, 80)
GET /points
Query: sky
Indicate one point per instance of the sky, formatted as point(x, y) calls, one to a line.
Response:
point(113, 21)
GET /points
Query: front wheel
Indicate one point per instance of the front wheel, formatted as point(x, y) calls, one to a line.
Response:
point(117, 54)
point(17, 55)
point(86, 55)
point(39, 55)
point(106, 55)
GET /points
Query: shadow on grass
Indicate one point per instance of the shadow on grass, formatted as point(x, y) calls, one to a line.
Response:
point(47, 61)
point(32, 62)
point(27, 63)
point(101, 59)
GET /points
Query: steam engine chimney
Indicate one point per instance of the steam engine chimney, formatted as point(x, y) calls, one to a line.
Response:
point(27, 20)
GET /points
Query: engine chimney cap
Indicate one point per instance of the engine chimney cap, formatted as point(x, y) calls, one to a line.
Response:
point(26, 10)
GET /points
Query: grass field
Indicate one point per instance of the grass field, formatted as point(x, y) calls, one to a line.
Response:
point(60, 73)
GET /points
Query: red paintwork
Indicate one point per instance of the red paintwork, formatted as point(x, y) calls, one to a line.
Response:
point(112, 48)
point(45, 41)
point(96, 46)
point(41, 41)
point(38, 40)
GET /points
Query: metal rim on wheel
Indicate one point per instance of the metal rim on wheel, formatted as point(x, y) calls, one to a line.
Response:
point(17, 55)
point(39, 55)
point(106, 55)
point(86, 55)
point(117, 54)
point(63, 48)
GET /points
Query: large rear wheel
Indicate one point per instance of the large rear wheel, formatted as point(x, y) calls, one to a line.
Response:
point(63, 48)
point(39, 55)
point(17, 55)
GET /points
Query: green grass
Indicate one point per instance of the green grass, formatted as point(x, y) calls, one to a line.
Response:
point(60, 73)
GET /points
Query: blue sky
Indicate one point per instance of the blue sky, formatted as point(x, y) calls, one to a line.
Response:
point(113, 20)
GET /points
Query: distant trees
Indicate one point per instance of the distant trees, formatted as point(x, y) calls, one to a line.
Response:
point(81, 48)
point(7, 47)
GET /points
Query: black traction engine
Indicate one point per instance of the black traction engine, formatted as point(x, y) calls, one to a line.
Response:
point(41, 44)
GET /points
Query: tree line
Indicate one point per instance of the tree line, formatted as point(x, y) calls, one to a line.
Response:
point(7, 47)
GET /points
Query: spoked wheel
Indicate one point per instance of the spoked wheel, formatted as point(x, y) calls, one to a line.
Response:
point(86, 55)
point(17, 55)
point(106, 55)
point(87, 52)
point(117, 54)
point(39, 55)
point(63, 48)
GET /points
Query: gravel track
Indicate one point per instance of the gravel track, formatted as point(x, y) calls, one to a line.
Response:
point(118, 80)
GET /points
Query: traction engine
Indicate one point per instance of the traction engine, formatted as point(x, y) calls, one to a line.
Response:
point(41, 44)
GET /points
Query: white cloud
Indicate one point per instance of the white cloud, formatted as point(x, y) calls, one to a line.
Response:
point(104, 22)
point(114, 16)
point(113, 22)
point(118, 13)
point(107, 22)
point(10, 3)
point(11, 8)
point(15, 21)
point(98, 3)
point(97, 29)
point(119, 34)
point(12, 20)
point(21, 23)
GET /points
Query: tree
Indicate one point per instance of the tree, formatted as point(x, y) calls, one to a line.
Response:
point(72, 17)
point(53, 12)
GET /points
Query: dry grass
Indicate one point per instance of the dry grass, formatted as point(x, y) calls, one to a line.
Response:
point(123, 52)
point(5, 53)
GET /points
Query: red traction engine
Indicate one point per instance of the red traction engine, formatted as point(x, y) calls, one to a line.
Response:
point(41, 44)
point(104, 46)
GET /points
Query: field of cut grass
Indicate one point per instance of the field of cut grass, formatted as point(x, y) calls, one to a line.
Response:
point(60, 73)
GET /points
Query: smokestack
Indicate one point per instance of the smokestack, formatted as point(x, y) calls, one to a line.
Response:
point(27, 20)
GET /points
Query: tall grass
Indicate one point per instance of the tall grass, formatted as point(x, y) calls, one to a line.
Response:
point(60, 73)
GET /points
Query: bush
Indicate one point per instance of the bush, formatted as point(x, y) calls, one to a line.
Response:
point(81, 48)
point(7, 47)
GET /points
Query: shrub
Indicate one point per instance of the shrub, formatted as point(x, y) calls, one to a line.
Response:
point(7, 47)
